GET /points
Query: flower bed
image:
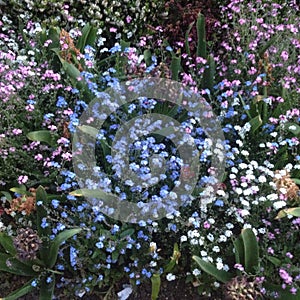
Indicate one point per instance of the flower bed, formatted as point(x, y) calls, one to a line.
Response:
point(150, 159)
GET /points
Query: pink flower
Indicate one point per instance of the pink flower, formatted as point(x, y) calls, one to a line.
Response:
point(38, 157)
point(17, 131)
point(206, 225)
point(128, 19)
point(284, 55)
point(112, 29)
point(22, 179)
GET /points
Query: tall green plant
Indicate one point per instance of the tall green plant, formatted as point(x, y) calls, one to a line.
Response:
point(207, 81)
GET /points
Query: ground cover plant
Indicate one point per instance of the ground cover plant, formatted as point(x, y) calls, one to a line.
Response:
point(235, 234)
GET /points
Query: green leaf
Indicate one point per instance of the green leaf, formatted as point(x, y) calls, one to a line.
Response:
point(174, 259)
point(41, 195)
point(201, 36)
point(12, 265)
point(115, 255)
point(187, 44)
point(25, 289)
point(274, 260)
point(93, 132)
point(175, 67)
point(20, 190)
point(97, 193)
point(292, 127)
point(295, 211)
point(281, 214)
point(71, 70)
point(155, 282)
point(55, 244)
point(6, 242)
point(85, 39)
point(209, 74)
point(251, 250)
point(296, 180)
point(255, 123)
point(239, 250)
point(47, 289)
point(167, 131)
point(127, 232)
point(43, 136)
point(147, 57)
point(209, 268)
point(7, 195)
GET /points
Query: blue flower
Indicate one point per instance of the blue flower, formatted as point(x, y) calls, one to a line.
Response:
point(219, 203)
point(61, 102)
point(34, 283)
point(44, 223)
point(116, 48)
point(49, 279)
point(73, 256)
point(55, 203)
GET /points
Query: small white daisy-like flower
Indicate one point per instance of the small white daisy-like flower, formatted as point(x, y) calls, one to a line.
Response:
point(279, 204)
point(210, 237)
point(170, 277)
point(183, 238)
point(219, 265)
point(216, 249)
point(196, 272)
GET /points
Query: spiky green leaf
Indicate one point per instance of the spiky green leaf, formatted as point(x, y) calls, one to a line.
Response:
point(6, 242)
point(155, 288)
point(210, 269)
point(251, 250)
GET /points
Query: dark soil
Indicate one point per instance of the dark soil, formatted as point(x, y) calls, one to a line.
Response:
point(174, 290)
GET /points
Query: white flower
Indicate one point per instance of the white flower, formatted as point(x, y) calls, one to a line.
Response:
point(229, 225)
point(194, 242)
point(210, 237)
point(245, 152)
point(201, 241)
point(170, 277)
point(183, 238)
point(196, 272)
point(226, 268)
point(216, 249)
point(262, 179)
point(272, 197)
point(228, 233)
point(273, 134)
point(262, 230)
point(234, 170)
point(240, 143)
point(203, 253)
point(239, 191)
point(222, 238)
point(211, 221)
point(153, 264)
point(243, 166)
point(279, 204)
point(244, 184)
point(219, 265)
